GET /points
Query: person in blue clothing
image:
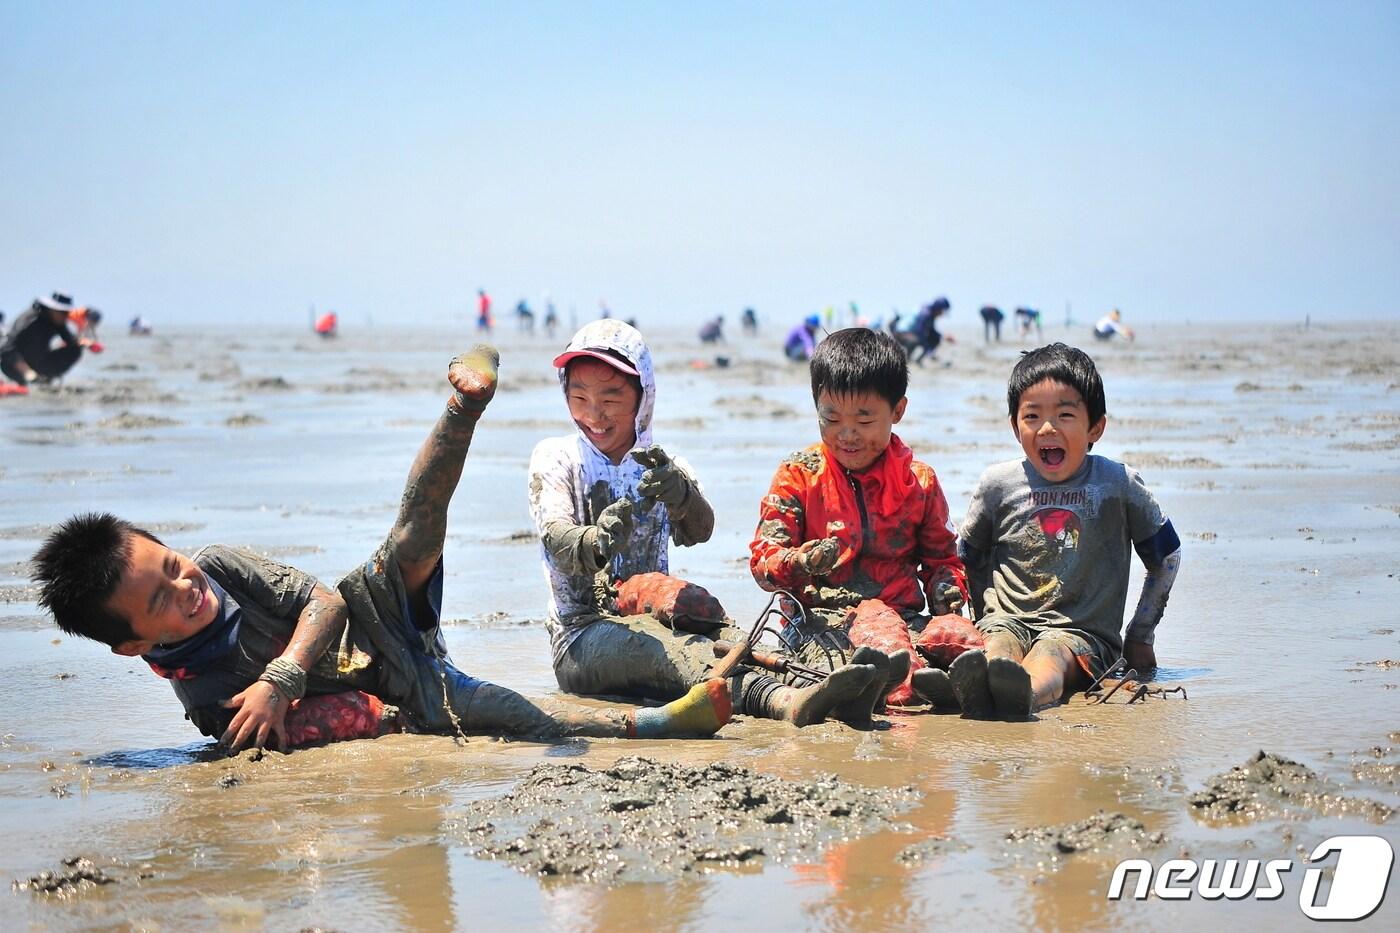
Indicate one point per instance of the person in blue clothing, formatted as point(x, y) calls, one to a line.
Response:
point(801, 341)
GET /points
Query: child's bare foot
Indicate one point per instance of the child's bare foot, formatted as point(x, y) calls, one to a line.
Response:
point(473, 377)
point(935, 686)
point(840, 689)
point(1010, 685)
point(968, 672)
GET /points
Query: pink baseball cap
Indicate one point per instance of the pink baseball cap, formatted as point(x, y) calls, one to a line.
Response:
point(615, 362)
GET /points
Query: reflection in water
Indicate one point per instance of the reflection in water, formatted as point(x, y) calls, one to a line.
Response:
point(159, 757)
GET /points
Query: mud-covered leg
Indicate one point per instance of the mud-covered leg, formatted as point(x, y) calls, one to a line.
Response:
point(497, 711)
point(421, 527)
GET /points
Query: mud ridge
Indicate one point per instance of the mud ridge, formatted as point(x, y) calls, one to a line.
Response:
point(1269, 786)
point(645, 820)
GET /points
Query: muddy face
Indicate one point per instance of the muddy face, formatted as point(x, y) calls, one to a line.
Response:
point(856, 428)
point(603, 403)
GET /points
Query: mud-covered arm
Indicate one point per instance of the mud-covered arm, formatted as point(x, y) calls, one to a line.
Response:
point(262, 707)
point(939, 564)
point(976, 541)
point(774, 556)
point(571, 546)
point(693, 520)
point(1161, 555)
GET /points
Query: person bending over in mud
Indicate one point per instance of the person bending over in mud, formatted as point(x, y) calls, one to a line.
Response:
point(606, 503)
point(856, 528)
point(243, 639)
point(1047, 541)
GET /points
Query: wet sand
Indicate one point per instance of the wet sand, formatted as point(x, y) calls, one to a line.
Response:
point(1275, 451)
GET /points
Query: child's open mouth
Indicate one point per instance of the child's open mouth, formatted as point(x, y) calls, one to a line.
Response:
point(1052, 456)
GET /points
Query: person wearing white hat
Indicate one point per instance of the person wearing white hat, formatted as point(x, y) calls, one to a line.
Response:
point(28, 353)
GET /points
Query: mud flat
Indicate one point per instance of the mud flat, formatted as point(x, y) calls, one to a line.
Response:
point(1268, 786)
point(646, 820)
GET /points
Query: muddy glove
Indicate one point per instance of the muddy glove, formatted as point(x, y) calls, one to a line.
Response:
point(663, 481)
point(611, 532)
point(817, 558)
point(947, 598)
point(473, 375)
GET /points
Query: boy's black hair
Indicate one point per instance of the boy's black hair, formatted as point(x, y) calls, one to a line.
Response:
point(858, 360)
point(1068, 365)
point(78, 568)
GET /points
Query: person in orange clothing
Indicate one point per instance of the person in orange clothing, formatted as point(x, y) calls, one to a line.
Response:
point(855, 525)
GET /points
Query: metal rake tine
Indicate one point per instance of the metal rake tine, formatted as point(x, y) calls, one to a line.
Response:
point(1128, 675)
point(1121, 662)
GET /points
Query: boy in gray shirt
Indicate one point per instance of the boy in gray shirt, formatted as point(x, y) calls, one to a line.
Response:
point(1047, 543)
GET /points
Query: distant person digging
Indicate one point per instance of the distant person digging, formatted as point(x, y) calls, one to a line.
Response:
point(29, 355)
point(749, 321)
point(260, 653)
point(713, 331)
point(992, 316)
point(1110, 326)
point(801, 341)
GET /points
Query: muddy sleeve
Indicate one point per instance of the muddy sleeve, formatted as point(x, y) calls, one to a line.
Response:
point(571, 546)
point(938, 543)
point(773, 551)
point(694, 520)
point(279, 590)
point(976, 542)
point(1144, 515)
point(1161, 554)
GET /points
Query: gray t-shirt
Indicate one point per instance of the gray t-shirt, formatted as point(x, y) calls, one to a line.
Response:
point(270, 597)
point(1057, 554)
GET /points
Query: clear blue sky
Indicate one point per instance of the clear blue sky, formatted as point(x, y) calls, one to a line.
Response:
point(211, 161)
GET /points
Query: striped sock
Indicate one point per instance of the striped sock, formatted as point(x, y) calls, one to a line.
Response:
point(701, 712)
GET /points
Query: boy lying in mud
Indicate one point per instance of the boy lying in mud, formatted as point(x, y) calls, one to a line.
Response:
point(606, 503)
point(261, 653)
point(1047, 541)
point(856, 528)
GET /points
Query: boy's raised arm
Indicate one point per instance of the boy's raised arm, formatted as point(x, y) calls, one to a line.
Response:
point(671, 482)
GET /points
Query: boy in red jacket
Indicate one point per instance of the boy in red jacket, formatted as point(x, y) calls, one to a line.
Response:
point(856, 521)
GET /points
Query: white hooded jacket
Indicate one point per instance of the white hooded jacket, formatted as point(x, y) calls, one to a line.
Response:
point(572, 481)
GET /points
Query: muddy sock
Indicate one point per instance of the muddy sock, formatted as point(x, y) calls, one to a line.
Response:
point(1010, 685)
point(969, 676)
point(856, 713)
point(807, 705)
point(900, 662)
point(473, 379)
point(935, 686)
point(701, 712)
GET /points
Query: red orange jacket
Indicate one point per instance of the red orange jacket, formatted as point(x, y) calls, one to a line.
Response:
point(897, 543)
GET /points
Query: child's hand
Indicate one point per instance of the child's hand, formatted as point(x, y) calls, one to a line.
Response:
point(262, 711)
point(947, 599)
point(662, 482)
point(1140, 656)
point(614, 527)
point(818, 558)
point(473, 376)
